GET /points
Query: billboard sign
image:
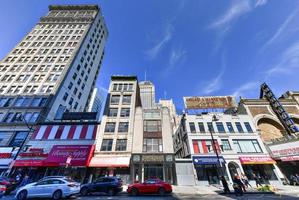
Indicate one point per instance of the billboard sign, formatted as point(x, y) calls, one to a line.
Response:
point(278, 109)
point(209, 102)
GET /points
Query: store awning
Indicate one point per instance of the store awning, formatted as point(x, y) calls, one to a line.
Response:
point(29, 163)
point(112, 161)
point(289, 158)
point(249, 160)
point(207, 160)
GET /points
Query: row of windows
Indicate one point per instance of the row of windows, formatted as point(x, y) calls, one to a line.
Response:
point(29, 89)
point(122, 87)
point(58, 31)
point(32, 67)
point(50, 59)
point(124, 112)
point(53, 26)
point(23, 102)
point(53, 77)
point(17, 139)
point(71, 14)
point(152, 145)
point(240, 146)
point(220, 127)
point(123, 127)
point(41, 51)
point(121, 145)
point(52, 37)
point(115, 99)
point(19, 117)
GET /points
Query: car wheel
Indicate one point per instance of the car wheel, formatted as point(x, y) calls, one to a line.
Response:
point(57, 195)
point(161, 191)
point(134, 192)
point(110, 192)
point(84, 191)
point(22, 195)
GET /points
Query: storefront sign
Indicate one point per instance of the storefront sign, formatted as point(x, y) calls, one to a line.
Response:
point(289, 158)
point(33, 154)
point(209, 102)
point(36, 150)
point(278, 109)
point(289, 149)
point(257, 160)
point(5, 152)
point(80, 154)
point(152, 158)
point(207, 160)
point(29, 163)
point(110, 162)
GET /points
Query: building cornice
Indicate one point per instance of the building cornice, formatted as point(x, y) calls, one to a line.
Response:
point(74, 7)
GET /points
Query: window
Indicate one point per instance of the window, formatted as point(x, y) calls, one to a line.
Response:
point(27, 116)
point(152, 145)
point(127, 99)
point(114, 87)
point(239, 127)
point(225, 145)
point(106, 145)
point(230, 127)
point(8, 102)
point(112, 112)
point(8, 117)
point(121, 145)
point(65, 96)
point(125, 112)
point(110, 127)
point(247, 146)
point(220, 127)
point(17, 117)
point(201, 127)
point(18, 102)
point(192, 127)
point(115, 99)
point(210, 127)
point(71, 101)
point(34, 117)
point(70, 85)
point(123, 127)
point(152, 126)
point(130, 87)
point(18, 139)
point(248, 127)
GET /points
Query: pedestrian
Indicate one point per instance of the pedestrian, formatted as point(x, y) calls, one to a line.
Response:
point(257, 180)
point(225, 185)
point(238, 185)
point(297, 179)
point(25, 181)
point(244, 179)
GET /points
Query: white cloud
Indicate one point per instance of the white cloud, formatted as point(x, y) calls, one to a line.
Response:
point(214, 84)
point(249, 86)
point(260, 3)
point(287, 63)
point(158, 46)
point(176, 55)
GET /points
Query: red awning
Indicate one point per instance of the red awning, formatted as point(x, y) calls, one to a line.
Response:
point(249, 160)
point(116, 161)
point(29, 163)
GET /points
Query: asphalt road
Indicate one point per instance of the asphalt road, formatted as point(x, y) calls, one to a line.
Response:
point(183, 197)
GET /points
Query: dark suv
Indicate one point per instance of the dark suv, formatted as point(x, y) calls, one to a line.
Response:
point(109, 185)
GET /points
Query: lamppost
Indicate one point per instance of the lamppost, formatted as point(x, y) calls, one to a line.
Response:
point(219, 171)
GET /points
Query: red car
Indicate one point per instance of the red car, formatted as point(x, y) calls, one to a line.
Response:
point(150, 186)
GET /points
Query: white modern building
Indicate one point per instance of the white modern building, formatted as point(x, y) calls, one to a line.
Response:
point(96, 102)
point(168, 103)
point(236, 141)
point(147, 94)
point(53, 69)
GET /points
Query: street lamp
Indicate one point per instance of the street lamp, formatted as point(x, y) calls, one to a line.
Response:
point(219, 171)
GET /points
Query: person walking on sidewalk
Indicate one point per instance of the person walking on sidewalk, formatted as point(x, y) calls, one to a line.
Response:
point(257, 180)
point(225, 185)
point(244, 179)
point(238, 185)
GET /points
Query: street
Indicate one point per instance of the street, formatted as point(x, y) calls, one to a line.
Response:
point(124, 196)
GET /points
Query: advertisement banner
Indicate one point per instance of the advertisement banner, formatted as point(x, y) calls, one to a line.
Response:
point(209, 102)
point(257, 160)
point(207, 160)
point(80, 155)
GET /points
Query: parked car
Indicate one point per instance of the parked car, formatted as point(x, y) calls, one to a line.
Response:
point(9, 183)
point(150, 186)
point(109, 185)
point(55, 188)
point(2, 190)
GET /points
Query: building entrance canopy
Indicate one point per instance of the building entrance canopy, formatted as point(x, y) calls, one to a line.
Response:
point(112, 161)
point(249, 160)
point(207, 160)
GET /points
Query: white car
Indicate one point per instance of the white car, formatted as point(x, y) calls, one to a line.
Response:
point(55, 188)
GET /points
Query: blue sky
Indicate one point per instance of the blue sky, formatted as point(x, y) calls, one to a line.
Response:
point(189, 47)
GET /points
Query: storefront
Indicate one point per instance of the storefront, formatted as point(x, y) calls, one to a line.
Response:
point(208, 170)
point(67, 160)
point(146, 166)
point(110, 166)
point(6, 157)
point(261, 166)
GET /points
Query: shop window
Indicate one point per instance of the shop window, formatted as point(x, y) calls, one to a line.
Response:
point(225, 145)
point(239, 127)
point(152, 145)
point(18, 139)
point(201, 127)
point(152, 126)
point(123, 127)
point(247, 146)
point(106, 145)
point(248, 127)
point(125, 112)
point(112, 112)
point(121, 145)
point(192, 127)
point(126, 99)
point(110, 127)
point(210, 127)
point(230, 127)
point(265, 172)
point(115, 99)
point(220, 127)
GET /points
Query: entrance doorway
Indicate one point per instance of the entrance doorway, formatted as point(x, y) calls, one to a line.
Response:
point(233, 169)
point(153, 171)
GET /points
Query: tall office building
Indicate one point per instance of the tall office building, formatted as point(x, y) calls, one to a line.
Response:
point(96, 102)
point(147, 94)
point(52, 69)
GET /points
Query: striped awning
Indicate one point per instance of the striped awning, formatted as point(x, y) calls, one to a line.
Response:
point(64, 132)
